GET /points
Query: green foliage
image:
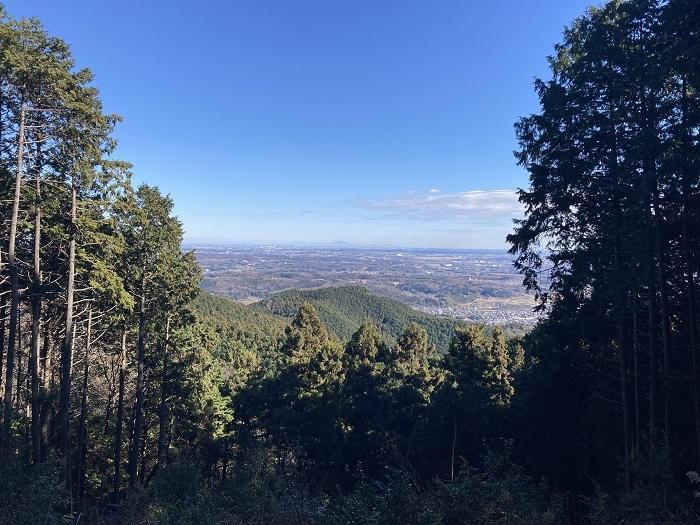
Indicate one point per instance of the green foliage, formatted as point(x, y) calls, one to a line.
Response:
point(29, 495)
point(501, 494)
point(227, 314)
point(480, 367)
point(364, 346)
point(305, 337)
point(643, 505)
point(343, 309)
point(411, 351)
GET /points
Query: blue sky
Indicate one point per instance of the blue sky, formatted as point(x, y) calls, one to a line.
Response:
point(378, 122)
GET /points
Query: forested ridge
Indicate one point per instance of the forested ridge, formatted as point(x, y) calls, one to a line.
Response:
point(342, 309)
point(131, 396)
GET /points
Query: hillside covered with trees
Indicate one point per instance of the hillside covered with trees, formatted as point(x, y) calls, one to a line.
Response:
point(342, 309)
point(130, 396)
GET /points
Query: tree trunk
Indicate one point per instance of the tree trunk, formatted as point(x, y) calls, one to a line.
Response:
point(45, 396)
point(18, 353)
point(163, 417)
point(144, 453)
point(36, 324)
point(635, 349)
point(688, 263)
point(14, 284)
point(82, 425)
point(3, 312)
point(665, 323)
point(619, 300)
point(651, 311)
point(67, 349)
point(452, 449)
point(620, 292)
point(135, 451)
point(120, 419)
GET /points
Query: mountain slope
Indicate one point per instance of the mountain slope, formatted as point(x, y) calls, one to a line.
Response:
point(344, 308)
point(224, 313)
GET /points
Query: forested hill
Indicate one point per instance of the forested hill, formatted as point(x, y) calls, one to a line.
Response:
point(342, 309)
point(224, 313)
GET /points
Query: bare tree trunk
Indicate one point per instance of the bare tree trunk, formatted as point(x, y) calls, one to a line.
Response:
point(665, 324)
point(120, 418)
point(2, 297)
point(45, 396)
point(692, 329)
point(109, 409)
point(163, 417)
point(3, 313)
point(620, 310)
point(452, 454)
point(144, 453)
point(651, 310)
point(36, 323)
point(135, 451)
point(652, 368)
point(67, 349)
point(688, 260)
point(14, 284)
point(18, 353)
point(620, 292)
point(635, 349)
point(82, 425)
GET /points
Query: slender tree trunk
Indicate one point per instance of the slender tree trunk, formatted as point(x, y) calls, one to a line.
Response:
point(3, 313)
point(144, 453)
point(120, 418)
point(135, 451)
point(649, 184)
point(14, 284)
point(67, 349)
point(620, 292)
point(665, 323)
point(688, 262)
point(692, 332)
point(36, 323)
point(18, 353)
point(635, 349)
point(452, 452)
point(163, 417)
point(45, 396)
point(109, 409)
point(82, 425)
point(622, 360)
point(2, 295)
point(651, 307)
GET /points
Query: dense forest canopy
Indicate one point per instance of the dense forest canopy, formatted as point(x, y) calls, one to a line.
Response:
point(130, 396)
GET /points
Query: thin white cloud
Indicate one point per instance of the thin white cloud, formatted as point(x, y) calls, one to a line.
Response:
point(476, 205)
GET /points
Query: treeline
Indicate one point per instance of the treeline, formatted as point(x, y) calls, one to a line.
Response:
point(94, 291)
point(613, 220)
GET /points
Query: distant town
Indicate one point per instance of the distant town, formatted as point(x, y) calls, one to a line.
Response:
point(474, 285)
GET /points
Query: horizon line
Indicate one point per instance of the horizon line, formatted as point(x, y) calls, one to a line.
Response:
point(331, 244)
